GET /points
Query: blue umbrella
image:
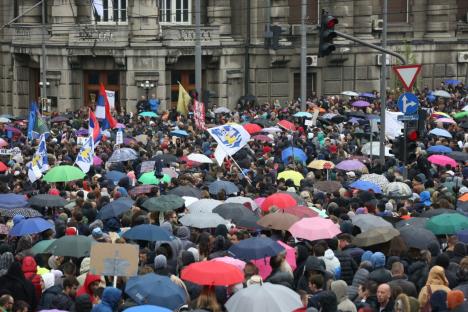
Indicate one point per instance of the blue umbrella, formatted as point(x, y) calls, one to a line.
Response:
point(255, 248)
point(8, 201)
point(295, 152)
point(303, 115)
point(440, 132)
point(367, 95)
point(115, 175)
point(452, 82)
point(123, 154)
point(228, 187)
point(147, 232)
point(156, 290)
point(430, 98)
point(147, 308)
point(440, 149)
point(179, 133)
point(365, 186)
point(463, 236)
point(115, 208)
point(30, 226)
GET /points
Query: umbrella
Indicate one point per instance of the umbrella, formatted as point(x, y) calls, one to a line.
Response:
point(368, 95)
point(13, 130)
point(202, 220)
point(115, 175)
point(303, 115)
point(265, 297)
point(413, 222)
point(150, 178)
point(30, 226)
point(25, 212)
point(442, 160)
point(287, 125)
point(376, 236)
point(441, 149)
point(163, 203)
point(293, 152)
point(4, 120)
point(327, 186)
point(186, 190)
point(378, 179)
point(165, 159)
point(350, 165)
point(71, 246)
point(82, 132)
point(279, 200)
point(143, 138)
point(249, 222)
point(350, 93)
point(242, 200)
point(59, 119)
point(452, 82)
point(123, 154)
point(263, 122)
point(262, 138)
point(255, 248)
point(314, 229)
point(440, 132)
point(447, 223)
point(41, 246)
point(441, 93)
point(64, 173)
point(278, 221)
point(170, 172)
point(375, 150)
point(361, 104)
point(295, 176)
point(47, 200)
point(8, 201)
point(460, 115)
point(116, 208)
point(437, 115)
point(189, 200)
point(227, 186)
point(205, 205)
point(446, 120)
point(252, 128)
point(222, 110)
point(97, 161)
point(338, 119)
point(417, 237)
point(232, 261)
point(148, 114)
point(147, 308)
point(147, 232)
point(200, 158)
point(435, 212)
point(141, 189)
point(180, 133)
point(463, 236)
point(232, 211)
point(320, 164)
point(272, 130)
point(3, 143)
point(212, 273)
point(398, 190)
point(157, 290)
point(369, 221)
point(366, 186)
point(459, 156)
point(300, 211)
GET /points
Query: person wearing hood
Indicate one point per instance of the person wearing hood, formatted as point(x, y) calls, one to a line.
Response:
point(339, 288)
point(49, 291)
point(332, 264)
point(380, 275)
point(29, 268)
point(462, 276)
point(110, 300)
point(438, 301)
point(6, 259)
point(90, 286)
point(435, 281)
point(312, 266)
point(359, 278)
point(15, 284)
point(183, 233)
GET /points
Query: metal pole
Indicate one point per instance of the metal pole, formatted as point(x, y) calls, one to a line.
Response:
point(198, 50)
point(405, 152)
point(247, 50)
point(44, 55)
point(303, 55)
point(383, 85)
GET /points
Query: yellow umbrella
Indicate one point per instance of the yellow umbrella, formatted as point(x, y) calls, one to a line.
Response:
point(291, 175)
point(321, 164)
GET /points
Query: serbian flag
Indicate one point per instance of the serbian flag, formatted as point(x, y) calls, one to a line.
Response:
point(94, 129)
point(109, 119)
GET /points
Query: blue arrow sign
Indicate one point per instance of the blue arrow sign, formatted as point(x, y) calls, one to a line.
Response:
point(408, 103)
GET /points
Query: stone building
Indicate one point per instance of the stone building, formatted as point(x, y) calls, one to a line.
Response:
point(124, 43)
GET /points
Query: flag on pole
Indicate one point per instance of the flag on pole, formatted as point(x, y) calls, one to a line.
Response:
point(39, 162)
point(199, 114)
point(230, 138)
point(93, 127)
point(109, 118)
point(84, 159)
point(183, 101)
point(32, 119)
point(42, 151)
point(36, 125)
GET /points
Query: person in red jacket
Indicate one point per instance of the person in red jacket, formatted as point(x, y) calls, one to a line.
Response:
point(90, 285)
point(29, 268)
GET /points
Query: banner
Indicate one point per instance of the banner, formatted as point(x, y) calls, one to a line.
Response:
point(84, 159)
point(111, 99)
point(119, 137)
point(199, 114)
point(230, 138)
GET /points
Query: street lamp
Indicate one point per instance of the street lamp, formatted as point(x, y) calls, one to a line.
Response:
point(147, 86)
point(45, 100)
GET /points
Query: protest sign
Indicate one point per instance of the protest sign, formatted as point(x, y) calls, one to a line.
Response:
point(114, 259)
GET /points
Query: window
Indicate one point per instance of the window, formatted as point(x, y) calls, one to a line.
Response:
point(462, 12)
point(113, 11)
point(295, 7)
point(175, 11)
point(398, 11)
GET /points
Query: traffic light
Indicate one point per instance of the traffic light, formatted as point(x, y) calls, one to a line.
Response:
point(327, 34)
point(397, 148)
point(412, 137)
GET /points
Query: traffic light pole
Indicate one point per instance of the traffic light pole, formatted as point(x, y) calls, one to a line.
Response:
point(303, 56)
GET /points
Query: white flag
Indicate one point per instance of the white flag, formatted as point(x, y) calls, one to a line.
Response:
point(230, 138)
point(111, 99)
point(34, 168)
point(84, 160)
point(119, 137)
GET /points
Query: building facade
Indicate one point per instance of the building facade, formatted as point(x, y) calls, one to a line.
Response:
point(124, 43)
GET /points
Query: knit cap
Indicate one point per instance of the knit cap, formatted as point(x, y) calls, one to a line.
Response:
point(160, 262)
point(378, 260)
point(455, 298)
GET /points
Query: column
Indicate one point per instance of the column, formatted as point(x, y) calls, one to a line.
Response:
point(143, 16)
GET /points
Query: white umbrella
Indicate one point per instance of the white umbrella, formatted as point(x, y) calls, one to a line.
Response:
point(242, 200)
point(398, 190)
point(202, 220)
point(465, 108)
point(205, 205)
point(4, 120)
point(441, 93)
point(350, 93)
point(189, 200)
point(199, 158)
point(222, 110)
point(272, 130)
point(366, 149)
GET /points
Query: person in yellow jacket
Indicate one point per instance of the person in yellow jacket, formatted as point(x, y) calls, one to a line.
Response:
point(435, 281)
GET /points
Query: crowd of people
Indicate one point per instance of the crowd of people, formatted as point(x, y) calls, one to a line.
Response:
point(337, 273)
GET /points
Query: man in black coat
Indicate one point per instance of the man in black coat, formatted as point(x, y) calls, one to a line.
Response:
point(15, 284)
point(400, 279)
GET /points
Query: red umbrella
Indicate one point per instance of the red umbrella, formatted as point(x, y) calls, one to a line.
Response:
point(212, 273)
point(189, 163)
point(252, 128)
point(287, 125)
point(280, 200)
point(3, 167)
point(262, 138)
point(301, 211)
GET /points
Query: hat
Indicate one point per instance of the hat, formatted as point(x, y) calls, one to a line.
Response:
point(425, 198)
point(97, 233)
point(54, 191)
point(422, 177)
point(71, 231)
point(455, 298)
point(378, 260)
point(195, 252)
point(389, 206)
point(183, 232)
point(351, 174)
point(160, 262)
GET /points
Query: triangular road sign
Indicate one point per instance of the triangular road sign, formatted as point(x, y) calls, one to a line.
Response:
point(407, 74)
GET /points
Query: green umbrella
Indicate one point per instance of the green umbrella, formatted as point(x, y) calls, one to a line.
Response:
point(42, 246)
point(164, 203)
point(64, 174)
point(71, 246)
point(460, 115)
point(148, 114)
point(150, 178)
point(447, 223)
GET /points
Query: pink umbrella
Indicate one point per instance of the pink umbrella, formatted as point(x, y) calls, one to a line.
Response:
point(263, 265)
point(446, 120)
point(97, 161)
point(170, 172)
point(259, 201)
point(235, 262)
point(314, 229)
point(442, 160)
point(3, 143)
point(120, 126)
point(361, 104)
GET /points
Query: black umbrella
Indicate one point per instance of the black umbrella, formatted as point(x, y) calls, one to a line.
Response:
point(47, 200)
point(458, 156)
point(357, 114)
point(413, 222)
point(435, 212)
point(417, 237)
point(265, 123)
point(249, 222)
point(232, 211)
point(464, 125)
point(115, 208)
point(186, 190)
point(165, 159)
point(339, 119)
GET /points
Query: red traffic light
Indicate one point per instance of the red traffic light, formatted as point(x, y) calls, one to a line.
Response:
point(413, 135)
point(331, 22)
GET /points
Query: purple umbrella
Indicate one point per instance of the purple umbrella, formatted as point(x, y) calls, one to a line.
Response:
point(129, 140)
point(120, 126)
point(367, 95)
point(97, 161)
point(13, 129)
point(82, 132)
point(59, 119)
point(361, 104)
point(350, 165)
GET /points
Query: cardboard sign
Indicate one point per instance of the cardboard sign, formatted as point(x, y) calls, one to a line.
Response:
point(147, 166)
point(114, 259)
point(119, 137)
point(4, 151)
point(111, 99)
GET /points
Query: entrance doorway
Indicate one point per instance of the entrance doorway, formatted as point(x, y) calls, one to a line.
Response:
point(186, 78)
point(92, 79)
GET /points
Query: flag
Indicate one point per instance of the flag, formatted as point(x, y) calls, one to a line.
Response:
point(109, 118)
point(84, 159)
point(183, 102)
point(199, 114)
point(42, 151)
point(40, 127)
point(93, 127)
point(36, 125)
point(32, 119)
point(39, 162)
point(230, 138)
point(100, 108)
